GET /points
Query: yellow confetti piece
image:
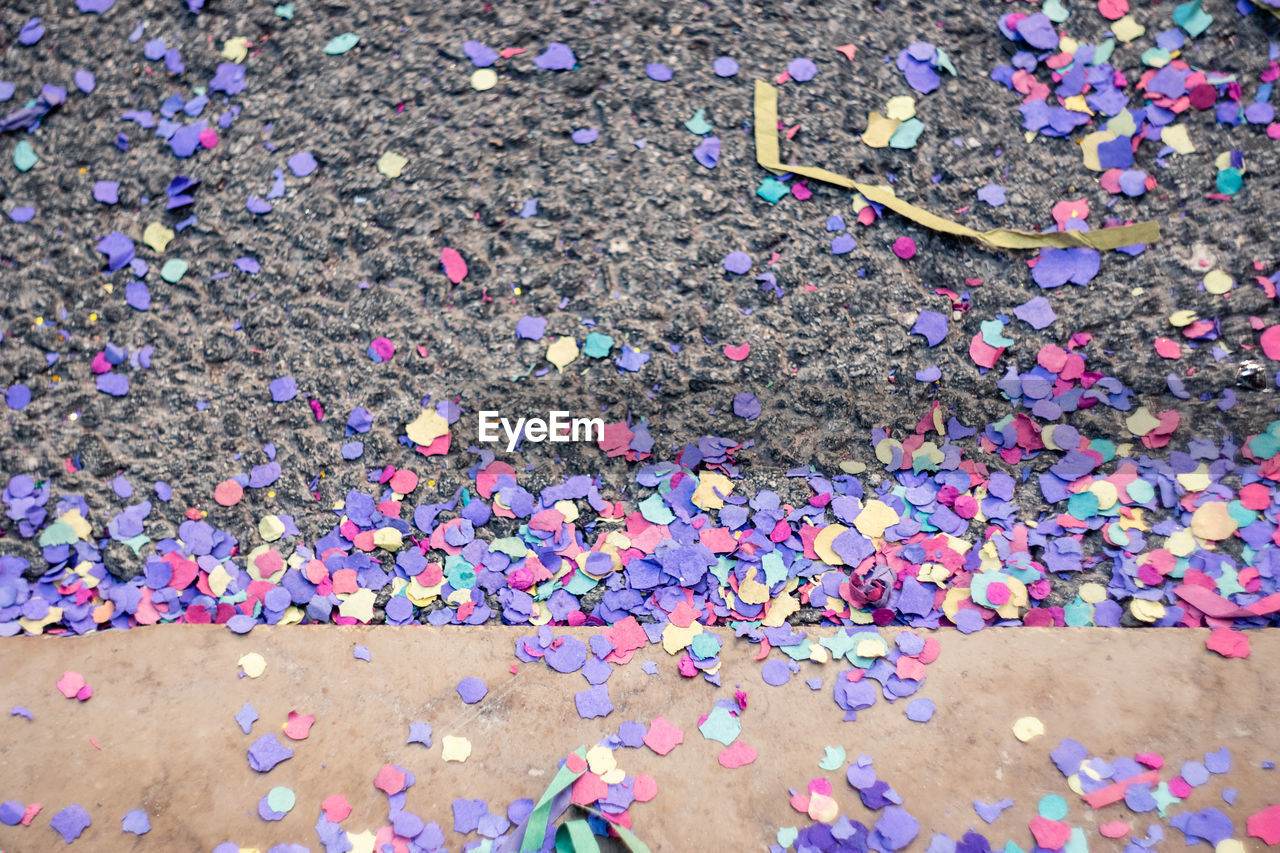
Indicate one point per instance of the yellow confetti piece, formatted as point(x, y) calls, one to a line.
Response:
point(388, 539)
point(874, 518)
point(768, 156)
point(562, 351)
point(78, 524)
point(1106, 494)
point(236, 49)
point(1197, 480)
point(1146, 611)
point(1089, 148)
point(361, 842)
point(900, 108)
point(851, 467)
point(455, 748)
point(709, 484)
point(1229, 845)
point(392, 164)
point(1223, 161)
point(878, 132)
point(601, 759)
point(886, 448)
point(751, 591)
point(157, 237)
point(359, 605)
point(1183, 318)
point(822, 544)
point(823, 808)
point(569, 510)
point(426, 427)
point(1026, 728)
point(1092, 592)
point(819, 653)
point(484, 79)
point(1218, 282)
point(219, 580)
point(253, 664)
point(1177, 138)
point(37, 626)
point(270, 528)
point(1127, 29)
point(1213, 521)
point(1141, 422)
point(1181, 543)
point(675, 639)
point(782, 607)
point(1077, 104)
point(871, 647)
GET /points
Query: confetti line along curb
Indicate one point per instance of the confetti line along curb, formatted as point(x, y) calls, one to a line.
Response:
point(767, 155)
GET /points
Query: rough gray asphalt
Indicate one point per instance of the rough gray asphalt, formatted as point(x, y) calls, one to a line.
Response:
point(629, 238)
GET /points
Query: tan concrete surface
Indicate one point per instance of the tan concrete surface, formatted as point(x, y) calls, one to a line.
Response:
point(165, 697)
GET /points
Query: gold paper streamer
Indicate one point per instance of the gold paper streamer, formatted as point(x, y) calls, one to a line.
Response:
point(766, 109)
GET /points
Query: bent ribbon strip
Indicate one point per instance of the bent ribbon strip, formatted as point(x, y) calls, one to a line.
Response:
point(766, 129)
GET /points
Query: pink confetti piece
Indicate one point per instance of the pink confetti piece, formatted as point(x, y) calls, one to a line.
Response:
point(736, 755)
point(455, 268)
point(1228, 643)
point(71, 684)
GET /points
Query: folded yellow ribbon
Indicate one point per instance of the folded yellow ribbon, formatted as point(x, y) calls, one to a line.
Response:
point(766, 109)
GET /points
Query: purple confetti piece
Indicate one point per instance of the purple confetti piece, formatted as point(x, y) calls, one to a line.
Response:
point(420, 733)
point(556, 57)
point(70, 822)
point(481, 55)
point(283, 389)
point(802, 70)
point(738, 263)
point(921, 711)
point(472, 690)
point(266, 752)
point(932, 326)
point(992, 194)
point(658, 71)
point(593, 702)
point(708, 152)
point(725, 66)
point(115, 384)
point(745, 405)
point(136, 822)
point(775, 672)
point(302, 164)
point(1036, 312)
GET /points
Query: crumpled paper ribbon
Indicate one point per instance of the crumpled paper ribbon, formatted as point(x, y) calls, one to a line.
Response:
point(767, 155)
